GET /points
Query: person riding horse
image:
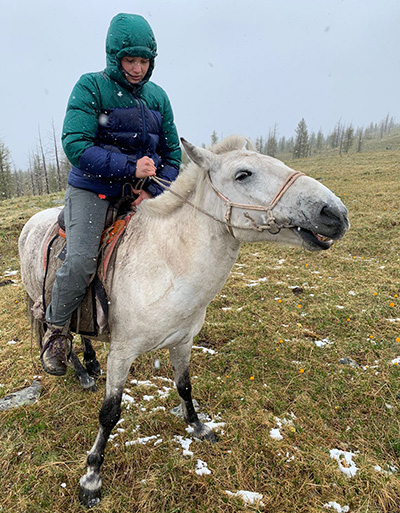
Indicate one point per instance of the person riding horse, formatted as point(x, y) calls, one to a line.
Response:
point(119, 129)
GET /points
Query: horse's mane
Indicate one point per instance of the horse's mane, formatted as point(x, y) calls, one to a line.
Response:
point(190, 179)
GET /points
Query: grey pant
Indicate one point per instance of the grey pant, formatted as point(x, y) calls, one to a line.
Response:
point(85, 215)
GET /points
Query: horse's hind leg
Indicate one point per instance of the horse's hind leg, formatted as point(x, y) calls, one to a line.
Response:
point(180, 358)
point(117, 371)
point(37, 327)
point(86, 381)
point(89, 358)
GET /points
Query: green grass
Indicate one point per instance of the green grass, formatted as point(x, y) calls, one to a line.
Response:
point(267, 366)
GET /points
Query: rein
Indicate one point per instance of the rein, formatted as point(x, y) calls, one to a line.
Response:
point(271, 225)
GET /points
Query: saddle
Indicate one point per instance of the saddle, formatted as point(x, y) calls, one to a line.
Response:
point(91, 318)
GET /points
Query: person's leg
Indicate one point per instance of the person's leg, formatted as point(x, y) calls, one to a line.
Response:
point(85, 215)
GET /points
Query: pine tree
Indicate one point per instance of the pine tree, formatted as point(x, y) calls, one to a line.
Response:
point(214, 138)
point(271, 147)
point(320, 141)
point(301, 145)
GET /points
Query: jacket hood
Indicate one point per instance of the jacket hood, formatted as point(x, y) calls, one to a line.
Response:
point(129, 34)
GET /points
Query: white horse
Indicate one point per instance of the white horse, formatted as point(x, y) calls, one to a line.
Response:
point(175, 256)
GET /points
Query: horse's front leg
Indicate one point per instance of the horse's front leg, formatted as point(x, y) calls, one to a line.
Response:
point(180, 358)
point(117, 371)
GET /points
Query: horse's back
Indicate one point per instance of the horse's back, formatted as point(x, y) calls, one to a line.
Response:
point(31, 244)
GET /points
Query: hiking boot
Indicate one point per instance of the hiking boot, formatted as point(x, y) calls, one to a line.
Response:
point(57, 347)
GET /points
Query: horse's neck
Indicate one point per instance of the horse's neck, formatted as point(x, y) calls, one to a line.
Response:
point(191, 244)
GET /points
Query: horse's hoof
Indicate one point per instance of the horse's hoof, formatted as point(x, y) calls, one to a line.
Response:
point(89, 498)
point(203, 432)
point(86, 381)
point(93, 367)
point(211, 437)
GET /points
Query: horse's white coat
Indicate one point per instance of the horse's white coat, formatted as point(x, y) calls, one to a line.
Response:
point(173, 259)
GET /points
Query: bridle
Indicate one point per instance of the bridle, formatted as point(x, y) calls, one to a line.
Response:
point(271, 224)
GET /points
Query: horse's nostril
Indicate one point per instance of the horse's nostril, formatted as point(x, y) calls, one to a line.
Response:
point(330, 214)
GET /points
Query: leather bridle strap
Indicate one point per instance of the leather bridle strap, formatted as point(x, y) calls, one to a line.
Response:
point(271, 222)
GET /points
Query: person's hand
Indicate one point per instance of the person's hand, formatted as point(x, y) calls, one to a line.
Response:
point(143, 195)
point(145, 167)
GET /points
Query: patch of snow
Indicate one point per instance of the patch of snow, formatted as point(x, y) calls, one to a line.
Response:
point(158, 408)
point(275, 434)
point(144, 440)
point(126, 398)
point(205, 349)
point(164, 392)
point(247, 497)
point(164, 379)
point(352, 293)
point(345, 461)
point(145, 383)
point(185, 444)
point(322, 343)
point(202, 468)
point(10, 273)
point(12, 342)
point(388, 470)
point(148, 397)
point(337, 507)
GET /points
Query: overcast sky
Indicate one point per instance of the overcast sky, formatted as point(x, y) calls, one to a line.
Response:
point(229, 66)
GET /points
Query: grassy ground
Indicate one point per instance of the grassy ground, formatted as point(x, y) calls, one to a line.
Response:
point(268, 372)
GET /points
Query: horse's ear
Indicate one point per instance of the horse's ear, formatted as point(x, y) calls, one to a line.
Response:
point(206, 159)
point(248, 145)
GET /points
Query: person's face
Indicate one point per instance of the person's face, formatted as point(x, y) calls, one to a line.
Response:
point(135, 67)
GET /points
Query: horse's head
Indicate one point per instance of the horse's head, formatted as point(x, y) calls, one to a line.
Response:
point(263, 199)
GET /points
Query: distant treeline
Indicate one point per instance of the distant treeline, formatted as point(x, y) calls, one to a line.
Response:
point(343, 138)
point(48, 166)
point(47, 172)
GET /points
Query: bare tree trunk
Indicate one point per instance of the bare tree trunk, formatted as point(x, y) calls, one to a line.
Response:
point(46, 178)
point(57, 159)
point(32, 182)
point(360, 141)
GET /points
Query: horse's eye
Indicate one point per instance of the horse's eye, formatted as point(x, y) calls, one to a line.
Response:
point(242, 175)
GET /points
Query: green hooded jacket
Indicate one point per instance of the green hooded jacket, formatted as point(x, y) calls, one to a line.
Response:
point(110, 123)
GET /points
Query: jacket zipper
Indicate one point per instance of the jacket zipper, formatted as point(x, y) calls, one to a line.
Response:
point(144, 131)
